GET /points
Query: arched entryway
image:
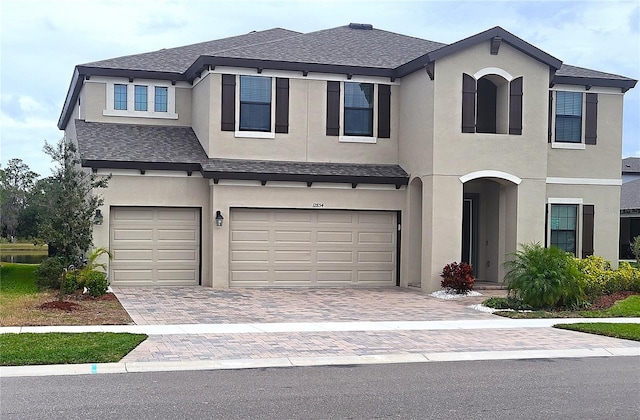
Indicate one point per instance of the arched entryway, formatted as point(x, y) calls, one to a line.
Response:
point(489, 222)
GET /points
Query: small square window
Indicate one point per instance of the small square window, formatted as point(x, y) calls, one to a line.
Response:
point(120, 97)
point(161, 96)
point(140, 98)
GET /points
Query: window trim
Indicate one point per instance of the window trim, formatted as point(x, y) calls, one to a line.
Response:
point(137, 103)
point(130, 111)
point(585, 224)
point(582, 145)
point(271, 134)
point(342, 137)
point(578, 225)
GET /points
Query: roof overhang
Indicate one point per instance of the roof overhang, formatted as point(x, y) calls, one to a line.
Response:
point(623, 85)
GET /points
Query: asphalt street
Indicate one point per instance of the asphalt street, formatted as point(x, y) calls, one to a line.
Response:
point(590, 388)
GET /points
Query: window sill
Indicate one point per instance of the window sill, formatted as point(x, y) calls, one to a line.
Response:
point(357, 139)
point(573, 146)
point(254, 135)
point(140, 114)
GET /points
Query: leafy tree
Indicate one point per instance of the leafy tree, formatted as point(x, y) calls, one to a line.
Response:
point(69, 203)
point(16, 183)
point(635, 249)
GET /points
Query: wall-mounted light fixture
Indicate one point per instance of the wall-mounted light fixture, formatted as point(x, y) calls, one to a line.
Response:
point(219, 218)
point(99, 218)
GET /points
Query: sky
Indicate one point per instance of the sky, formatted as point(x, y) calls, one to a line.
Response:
point(42, 41)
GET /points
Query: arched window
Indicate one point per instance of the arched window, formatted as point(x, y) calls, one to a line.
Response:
point(492, 104)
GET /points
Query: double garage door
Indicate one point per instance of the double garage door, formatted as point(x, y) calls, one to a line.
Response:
point(315, 248)
point(159, 246)
point(155, 246)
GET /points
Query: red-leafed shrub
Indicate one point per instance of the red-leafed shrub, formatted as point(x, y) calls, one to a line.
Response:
point(457, 277)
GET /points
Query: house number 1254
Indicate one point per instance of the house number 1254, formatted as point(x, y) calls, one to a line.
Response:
point(318, 204)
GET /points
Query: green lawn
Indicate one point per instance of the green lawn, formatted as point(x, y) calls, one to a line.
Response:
point(629, 307)
point(626, 331)
point(64, 348)
point(18, 279)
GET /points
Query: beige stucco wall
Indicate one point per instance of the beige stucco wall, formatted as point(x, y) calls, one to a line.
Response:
point(225, 196)
point(459, 153)
point(306, 140)
point(601, 160)
point(606, 199)
point(201, 114)
point(95, 102)
point(416, 124)
point(151, 190)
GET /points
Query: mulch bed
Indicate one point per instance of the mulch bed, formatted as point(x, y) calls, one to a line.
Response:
point(71, 306)
point(607, 301)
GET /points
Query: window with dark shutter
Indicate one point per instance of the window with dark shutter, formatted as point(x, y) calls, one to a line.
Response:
point(282, 105)
point(515, 106)
point(333, 108)
point(228, 102)
point(468, 104)
point(588, 213)
point(384, 111)
point(591, 119)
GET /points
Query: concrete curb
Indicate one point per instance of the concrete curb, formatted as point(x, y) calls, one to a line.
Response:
point(232, 364)
point(268, 328)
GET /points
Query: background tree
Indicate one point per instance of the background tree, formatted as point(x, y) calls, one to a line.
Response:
point(16, 183)
point(69, 203)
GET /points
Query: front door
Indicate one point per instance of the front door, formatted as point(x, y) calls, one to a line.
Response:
point(470, 231)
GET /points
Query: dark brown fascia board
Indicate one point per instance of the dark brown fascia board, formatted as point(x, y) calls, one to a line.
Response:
point(72, 96)
point(308, 178)
point(489, 34)
point(624, 85)
point(148, 166)
point(203, 62)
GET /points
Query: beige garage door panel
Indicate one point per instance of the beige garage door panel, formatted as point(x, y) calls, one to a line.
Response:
point(312, 248)
point(155, 246)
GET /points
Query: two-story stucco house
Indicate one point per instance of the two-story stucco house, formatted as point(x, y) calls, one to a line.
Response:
point(350, 156)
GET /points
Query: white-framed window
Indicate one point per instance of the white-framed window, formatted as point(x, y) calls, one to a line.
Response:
point(255, 103)
point(358, 107)
point(570, 225)
point(142, 98)
point(573, 115)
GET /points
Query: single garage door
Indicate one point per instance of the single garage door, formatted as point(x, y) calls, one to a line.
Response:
point(155, 246)
point(312, 248)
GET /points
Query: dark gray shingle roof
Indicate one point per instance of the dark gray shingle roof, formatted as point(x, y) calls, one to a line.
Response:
point(106, 145)
point(303, 168)
point(138, 143)
point(630, 195)
point(631, 165)
point(178, 60)
point(573, 71)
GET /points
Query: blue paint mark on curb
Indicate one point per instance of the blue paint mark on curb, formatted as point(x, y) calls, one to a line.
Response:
point(94, 368)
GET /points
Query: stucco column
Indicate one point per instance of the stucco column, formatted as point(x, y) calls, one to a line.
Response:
point(442, 231)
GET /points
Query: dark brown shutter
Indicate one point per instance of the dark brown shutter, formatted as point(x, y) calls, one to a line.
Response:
point(468, 104)
point(333, 108)
point(282, 105)
point(228, 102)
point(384, 111)
point(515, 106)
point(588, 211)
point(546, 225)
point(591, 123)
point(550, 131)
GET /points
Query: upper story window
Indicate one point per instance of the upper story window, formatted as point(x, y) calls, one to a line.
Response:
point(573, 119)
point(358, 112)
point(358, 109)
point(140, 98)
point(492, 103)
point(254, 94)
point(161, 96)
point(255, 103)
point(153, 99)
point(119, 96)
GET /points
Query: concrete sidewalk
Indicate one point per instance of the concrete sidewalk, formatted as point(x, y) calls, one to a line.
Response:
point(260, 345)
point(203, 328)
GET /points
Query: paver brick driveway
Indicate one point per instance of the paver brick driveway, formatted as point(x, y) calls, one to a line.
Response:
point(204, 305)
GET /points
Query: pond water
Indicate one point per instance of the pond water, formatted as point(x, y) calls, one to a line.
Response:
point(24, 258)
